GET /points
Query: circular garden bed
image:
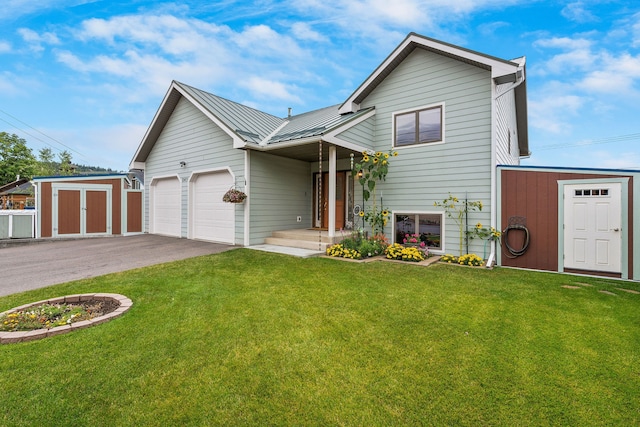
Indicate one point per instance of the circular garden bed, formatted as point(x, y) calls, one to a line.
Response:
point(60, 315)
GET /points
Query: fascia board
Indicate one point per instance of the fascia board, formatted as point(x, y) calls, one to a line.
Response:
point(498, 66)
point(154, 122)
point(332, 136)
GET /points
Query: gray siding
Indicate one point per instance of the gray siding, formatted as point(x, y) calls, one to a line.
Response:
point(281, 190)
point(425, 173)
point(191, 137)
point(362, 134)
point(507, 150)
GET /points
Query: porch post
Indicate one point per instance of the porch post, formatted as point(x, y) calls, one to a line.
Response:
point(332, 190)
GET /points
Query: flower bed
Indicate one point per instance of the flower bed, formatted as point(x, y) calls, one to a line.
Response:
point(471, 260)
point(60, 315)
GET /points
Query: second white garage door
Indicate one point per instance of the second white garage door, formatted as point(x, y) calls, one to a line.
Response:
point(211, 218)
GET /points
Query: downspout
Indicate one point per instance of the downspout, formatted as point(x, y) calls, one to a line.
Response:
point(494, 155)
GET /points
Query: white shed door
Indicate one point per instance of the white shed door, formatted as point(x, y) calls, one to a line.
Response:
point(212, 219)
point(592, 227)
point(165, 210)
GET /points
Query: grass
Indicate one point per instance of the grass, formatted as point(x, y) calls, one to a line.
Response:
point(252, 338)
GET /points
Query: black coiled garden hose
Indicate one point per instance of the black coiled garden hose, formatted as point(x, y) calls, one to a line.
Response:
point(505, 238)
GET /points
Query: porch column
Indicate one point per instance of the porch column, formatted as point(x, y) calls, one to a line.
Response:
point(332, 190)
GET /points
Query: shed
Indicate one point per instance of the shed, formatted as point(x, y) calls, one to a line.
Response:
point(574, 220)
point(88, 205)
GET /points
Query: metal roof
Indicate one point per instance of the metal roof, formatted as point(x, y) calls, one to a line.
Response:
point(314, 123)
point(250, 124)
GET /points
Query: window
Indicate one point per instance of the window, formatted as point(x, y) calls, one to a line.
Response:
point(418, 127)
point(592, 192)
point(428, 225)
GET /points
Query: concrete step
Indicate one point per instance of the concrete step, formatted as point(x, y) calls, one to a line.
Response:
point(306, 235)
point(295, 243)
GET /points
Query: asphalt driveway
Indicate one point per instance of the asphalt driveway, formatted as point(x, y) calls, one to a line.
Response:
point(26, 266)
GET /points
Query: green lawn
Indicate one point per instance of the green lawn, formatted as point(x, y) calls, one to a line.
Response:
point(252, 338)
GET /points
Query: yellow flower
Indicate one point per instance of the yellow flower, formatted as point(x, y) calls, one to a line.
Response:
point(479, 225)
point(386, 155)
point(375, 160)
point(378, 154)
point(365, 158)
point(384, 162)
point(361, 213)
point(395, 154)
point(385, 213)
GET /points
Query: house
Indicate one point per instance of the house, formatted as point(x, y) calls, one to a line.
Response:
point(16, 195)
point(452, 115)
point(574, 220)
point(87, 205)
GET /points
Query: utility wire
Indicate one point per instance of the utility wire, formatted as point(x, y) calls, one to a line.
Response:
point(608, 140)
point(40, 132)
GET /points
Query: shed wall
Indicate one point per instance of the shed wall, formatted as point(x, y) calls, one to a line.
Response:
point(533, 194)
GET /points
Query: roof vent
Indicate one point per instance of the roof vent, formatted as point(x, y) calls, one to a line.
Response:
point(289, 114)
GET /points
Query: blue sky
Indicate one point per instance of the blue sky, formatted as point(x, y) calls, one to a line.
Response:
point(88, 76)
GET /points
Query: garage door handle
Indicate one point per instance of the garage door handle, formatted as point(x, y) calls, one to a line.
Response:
point(616, 229)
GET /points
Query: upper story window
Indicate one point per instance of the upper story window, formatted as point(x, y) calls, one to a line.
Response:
point(418, 127)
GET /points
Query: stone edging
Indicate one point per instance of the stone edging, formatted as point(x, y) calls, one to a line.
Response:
point(424, 263)
point(21, 336)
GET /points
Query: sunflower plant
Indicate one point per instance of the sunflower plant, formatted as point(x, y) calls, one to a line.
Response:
point(373, 168)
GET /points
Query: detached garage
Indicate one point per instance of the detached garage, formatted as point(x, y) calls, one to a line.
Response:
point(570, 220)
point(87, 206)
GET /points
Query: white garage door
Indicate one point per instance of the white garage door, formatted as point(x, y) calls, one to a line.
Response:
point(165, 209)
point(212, 219)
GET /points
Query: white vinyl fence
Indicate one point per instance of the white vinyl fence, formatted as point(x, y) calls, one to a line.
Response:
point(17, 224)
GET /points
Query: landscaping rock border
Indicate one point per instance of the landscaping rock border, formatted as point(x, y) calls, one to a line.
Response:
point(22, 336)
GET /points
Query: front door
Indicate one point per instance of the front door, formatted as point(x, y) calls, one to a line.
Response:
point(592, 227)
point(321, 201)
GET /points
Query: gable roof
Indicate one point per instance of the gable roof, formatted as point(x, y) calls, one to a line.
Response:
point(21, 186)
point(253, 129)
point(502, 71)
point(248, 127)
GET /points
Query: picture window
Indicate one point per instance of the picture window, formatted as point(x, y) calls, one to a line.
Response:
point(429, 226)
point(418, 127)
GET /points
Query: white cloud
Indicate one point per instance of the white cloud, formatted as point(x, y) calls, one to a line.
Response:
point(577, 12)
point(554, 112)
point(13, 9)
point(36, 40)
point(5, 47)
point(270, 89)
point(303, 31)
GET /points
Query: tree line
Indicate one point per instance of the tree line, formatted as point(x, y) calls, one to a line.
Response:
point(17, 159)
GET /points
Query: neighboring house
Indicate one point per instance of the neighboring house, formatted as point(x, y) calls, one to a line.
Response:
point(16, 195)
point(452, 115)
